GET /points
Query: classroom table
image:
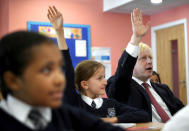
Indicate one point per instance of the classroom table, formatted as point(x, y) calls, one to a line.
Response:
point(150, 126)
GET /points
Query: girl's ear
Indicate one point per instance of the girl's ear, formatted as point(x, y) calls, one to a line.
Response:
point(84, 85)
point(11, 80)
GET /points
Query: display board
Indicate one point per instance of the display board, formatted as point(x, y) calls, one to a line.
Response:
point(77, 38)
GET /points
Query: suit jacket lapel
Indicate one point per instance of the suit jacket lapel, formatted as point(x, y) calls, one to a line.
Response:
point(142, 91)
point(158, 92)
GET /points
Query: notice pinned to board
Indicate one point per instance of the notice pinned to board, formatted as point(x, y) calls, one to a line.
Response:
point(80, 48)
point(103, 55)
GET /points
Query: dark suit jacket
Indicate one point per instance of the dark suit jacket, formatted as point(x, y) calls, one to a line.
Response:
point(124, 89)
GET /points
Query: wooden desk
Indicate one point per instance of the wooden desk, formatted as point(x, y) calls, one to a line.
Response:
point(151, 127)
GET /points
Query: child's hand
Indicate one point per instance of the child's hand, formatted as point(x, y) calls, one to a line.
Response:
point(55, 17)
point(110, 120)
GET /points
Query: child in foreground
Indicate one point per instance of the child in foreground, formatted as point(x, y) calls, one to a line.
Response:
point(33, 81)
point(90, 82)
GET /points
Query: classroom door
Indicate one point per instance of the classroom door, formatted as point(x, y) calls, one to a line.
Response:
point(171, 59)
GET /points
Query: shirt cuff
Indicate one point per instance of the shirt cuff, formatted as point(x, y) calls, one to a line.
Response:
point(132, 50)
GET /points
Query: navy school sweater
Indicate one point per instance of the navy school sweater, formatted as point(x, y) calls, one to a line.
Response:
point(66, 118)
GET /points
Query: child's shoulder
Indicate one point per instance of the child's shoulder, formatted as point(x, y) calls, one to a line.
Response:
point(68, 110)
point(110, 101)
point(6, 120)
point(71, 114)
point(3, 114)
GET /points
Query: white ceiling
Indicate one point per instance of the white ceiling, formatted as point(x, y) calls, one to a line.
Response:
point(126, 6)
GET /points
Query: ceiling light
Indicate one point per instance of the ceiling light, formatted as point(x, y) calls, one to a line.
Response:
point(156, 1)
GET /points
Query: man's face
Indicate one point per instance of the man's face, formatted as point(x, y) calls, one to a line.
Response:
point(143, 68)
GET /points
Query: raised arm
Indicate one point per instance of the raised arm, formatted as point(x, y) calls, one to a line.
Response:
point(56, 19)
point(117, 84)
point(71, 97)
point(126, 62)
point(138, 27)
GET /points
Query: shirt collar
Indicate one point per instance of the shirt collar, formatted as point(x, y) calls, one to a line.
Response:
point(140, 82)
point(98, 101)
point(46, 113)
point(20, 109)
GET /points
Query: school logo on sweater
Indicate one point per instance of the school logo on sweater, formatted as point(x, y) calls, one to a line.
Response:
point(111, 112)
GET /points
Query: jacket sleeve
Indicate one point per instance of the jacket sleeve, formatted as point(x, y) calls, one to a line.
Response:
point(119, 83)
point(71, 96)
point(129, 114)
point(79, 120)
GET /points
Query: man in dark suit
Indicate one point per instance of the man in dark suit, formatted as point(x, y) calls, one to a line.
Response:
point(131, 83)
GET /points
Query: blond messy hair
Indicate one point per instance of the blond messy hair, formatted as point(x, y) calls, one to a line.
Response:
point(143, 47)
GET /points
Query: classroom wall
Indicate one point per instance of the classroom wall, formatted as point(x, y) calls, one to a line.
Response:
point(171, 15)
point(107, 29)
point(4, 17)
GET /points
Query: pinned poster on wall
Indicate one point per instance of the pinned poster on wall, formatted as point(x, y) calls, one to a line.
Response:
point(103, 55)
point(78, 38)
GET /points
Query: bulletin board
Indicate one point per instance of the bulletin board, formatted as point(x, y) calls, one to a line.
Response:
point(77, 38)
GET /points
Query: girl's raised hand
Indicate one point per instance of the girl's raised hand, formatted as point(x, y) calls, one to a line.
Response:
point(55, 17)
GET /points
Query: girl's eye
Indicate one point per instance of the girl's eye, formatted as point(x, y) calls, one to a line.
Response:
point(46, 70)
point(101, 77)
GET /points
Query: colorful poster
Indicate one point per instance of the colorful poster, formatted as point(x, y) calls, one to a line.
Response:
point(69, 33)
